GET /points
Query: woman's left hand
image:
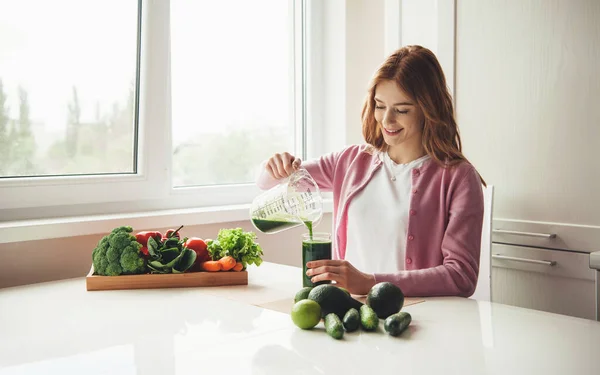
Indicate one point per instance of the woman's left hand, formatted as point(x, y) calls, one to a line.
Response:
point(343, 273)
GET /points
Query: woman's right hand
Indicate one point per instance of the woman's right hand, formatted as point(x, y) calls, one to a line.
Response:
point(282, 165)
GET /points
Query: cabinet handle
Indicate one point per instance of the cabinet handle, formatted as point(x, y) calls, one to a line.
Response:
point(528, 234)
point(525, 260)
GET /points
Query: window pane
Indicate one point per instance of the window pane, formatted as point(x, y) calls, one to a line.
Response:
point(232, 88)
point(67, 86)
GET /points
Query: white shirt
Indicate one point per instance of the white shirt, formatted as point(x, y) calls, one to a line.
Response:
point(378, 218)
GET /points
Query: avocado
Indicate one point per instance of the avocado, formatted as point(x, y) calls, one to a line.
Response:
point(333, 300)
point(385, 299)
point(302, 294)
point(368, 318)
point(333, 326)
point(351, 320)
point(395, 324)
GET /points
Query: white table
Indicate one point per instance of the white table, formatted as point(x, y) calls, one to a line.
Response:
point(60, 328)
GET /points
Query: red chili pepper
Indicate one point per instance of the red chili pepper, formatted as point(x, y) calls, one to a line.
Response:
point(142, 238)
point(172, 233)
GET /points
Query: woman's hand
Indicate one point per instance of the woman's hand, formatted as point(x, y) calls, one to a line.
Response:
point(343, 273)
point(282, 165)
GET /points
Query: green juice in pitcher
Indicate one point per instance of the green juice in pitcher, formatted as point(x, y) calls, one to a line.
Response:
point(294, 201)
point(269, 226)
point(275, 225)
point(315, 246)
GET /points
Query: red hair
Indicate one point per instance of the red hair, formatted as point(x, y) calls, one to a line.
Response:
point(418, 73)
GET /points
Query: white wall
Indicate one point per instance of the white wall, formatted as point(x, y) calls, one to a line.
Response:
point(420, 24)
point(352, 47)
point(430, 23)
point(527, 103)
point(331, 80)
point(365, 51)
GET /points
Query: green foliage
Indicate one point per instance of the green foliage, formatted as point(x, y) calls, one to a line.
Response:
point(24, 147)
point(5, 144)
point(170, 255)
point(17, 141)
point(105, 144)
point(102, 146)
point(73, 125)
point(226, 158)
point(240, 245)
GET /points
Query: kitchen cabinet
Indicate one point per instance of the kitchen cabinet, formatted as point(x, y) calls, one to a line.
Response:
point(595, 265)
point(527, 93)
point(542, 279)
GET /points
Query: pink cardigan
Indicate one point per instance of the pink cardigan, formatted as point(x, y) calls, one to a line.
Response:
point(444, 228)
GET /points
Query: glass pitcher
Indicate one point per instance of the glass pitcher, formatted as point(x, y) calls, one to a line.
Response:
point(295, 201)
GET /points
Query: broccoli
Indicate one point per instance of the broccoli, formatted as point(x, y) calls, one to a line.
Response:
point(118, 253)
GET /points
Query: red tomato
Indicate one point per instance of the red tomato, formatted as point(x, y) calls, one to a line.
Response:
point(199, 246)
point(171, 233)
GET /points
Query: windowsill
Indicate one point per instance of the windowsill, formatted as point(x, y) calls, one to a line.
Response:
point(31, 230)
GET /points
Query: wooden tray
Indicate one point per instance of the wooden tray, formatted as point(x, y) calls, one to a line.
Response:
point(156, 281)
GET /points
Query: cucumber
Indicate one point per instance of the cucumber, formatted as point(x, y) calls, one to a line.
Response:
point(333, 326)
point(368, 318)
point(395, 324)
point(351, 320)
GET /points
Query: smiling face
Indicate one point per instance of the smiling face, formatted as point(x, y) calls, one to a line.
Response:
point(399, 117)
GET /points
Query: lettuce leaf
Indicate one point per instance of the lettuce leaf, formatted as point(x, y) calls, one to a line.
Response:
point(242, 246)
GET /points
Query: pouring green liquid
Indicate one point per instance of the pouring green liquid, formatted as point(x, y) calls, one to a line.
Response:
point(312, 248)
point(309, 225)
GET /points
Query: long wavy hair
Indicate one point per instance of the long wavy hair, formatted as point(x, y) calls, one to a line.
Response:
point(418, 73)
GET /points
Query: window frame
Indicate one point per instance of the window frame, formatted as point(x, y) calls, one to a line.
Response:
point(150, 187)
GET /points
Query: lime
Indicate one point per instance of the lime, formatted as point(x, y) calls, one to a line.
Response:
point(302, 294)
point(306, 314)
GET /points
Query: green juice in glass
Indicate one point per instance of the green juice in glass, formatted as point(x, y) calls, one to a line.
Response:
point(315, 246)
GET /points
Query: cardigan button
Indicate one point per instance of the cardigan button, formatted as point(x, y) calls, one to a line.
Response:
point(413, 212)
point(416, 172)
point(411, 237)
point(415, 191)
point(408, 261)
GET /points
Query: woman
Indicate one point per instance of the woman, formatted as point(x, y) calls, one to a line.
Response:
point(408, 206)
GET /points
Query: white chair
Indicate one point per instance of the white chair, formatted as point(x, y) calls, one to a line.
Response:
point(483, 291)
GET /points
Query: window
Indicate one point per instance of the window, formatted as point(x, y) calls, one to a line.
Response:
point(67, 87)
point(129, 105)
point(232, 88)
